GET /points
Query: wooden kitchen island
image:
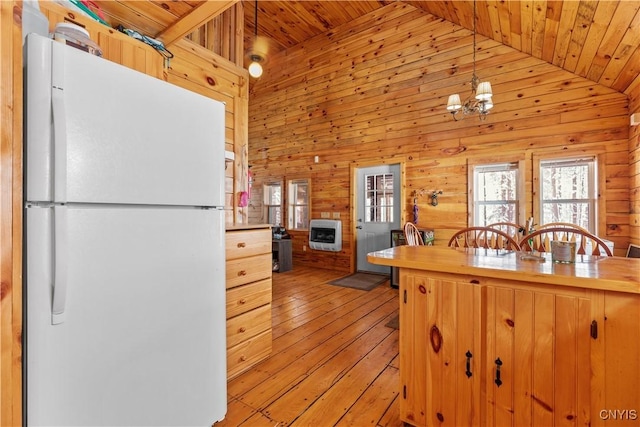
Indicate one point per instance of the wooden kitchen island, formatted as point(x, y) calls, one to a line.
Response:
point(490, 339)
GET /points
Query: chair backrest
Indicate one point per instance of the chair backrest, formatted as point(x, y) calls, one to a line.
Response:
point(633, 251)
point(412, 235)
point(483, 237)
point(511, 228)
point(563, 224)
point(586, 243)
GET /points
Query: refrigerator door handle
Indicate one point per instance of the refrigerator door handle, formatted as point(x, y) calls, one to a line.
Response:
point(59, 124)
point(59, 288)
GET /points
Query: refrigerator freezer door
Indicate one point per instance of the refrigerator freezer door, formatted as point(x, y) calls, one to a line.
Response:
point(143, 338)
point(117, 135)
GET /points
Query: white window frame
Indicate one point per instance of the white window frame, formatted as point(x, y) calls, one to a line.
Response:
point(592, 200)
point(474, 168)
point(268, 204)
point(376, 210)
point(294, 207)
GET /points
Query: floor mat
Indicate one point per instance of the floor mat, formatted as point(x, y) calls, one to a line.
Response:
point(362, 281)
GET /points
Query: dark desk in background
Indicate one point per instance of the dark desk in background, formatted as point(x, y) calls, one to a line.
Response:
point(281, 250)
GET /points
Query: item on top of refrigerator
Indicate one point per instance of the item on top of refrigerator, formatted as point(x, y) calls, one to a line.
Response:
point(76, 36)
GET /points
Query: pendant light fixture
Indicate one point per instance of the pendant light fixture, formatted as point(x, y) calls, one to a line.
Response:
point(255, 69)
point(480, 100)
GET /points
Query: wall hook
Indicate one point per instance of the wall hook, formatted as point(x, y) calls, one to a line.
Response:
point(434, 197)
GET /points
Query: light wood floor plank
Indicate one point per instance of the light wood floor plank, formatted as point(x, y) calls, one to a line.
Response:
point(334, 361)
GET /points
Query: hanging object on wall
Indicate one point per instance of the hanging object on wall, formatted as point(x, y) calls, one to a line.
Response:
point(434, 197)
point(243, 199)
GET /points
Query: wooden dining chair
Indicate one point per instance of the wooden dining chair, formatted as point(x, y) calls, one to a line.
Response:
point(540, 240)
point(483, 237)
point(412, 235)
point(563, 224)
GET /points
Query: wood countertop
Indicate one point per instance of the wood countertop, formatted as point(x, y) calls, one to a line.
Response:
point(592, 272)
point(236, 227)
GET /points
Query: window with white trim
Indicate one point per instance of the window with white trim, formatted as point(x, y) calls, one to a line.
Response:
point(298, 202)
point(273, 202)
point(495, 193)
point(568, 191)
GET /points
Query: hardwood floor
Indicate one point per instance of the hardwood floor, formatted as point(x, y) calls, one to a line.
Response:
point(334, 362)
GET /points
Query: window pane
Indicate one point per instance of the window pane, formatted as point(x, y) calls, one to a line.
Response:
point(379, 198)
point(298, 204)
point(495, 194)
point(565, 182)
point(492, 213)
point(568, 192)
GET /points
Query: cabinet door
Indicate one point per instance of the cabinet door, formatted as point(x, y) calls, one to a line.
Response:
point(538, 362)
point(440, 333)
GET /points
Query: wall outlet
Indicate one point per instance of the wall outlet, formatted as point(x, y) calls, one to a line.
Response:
point(325, 215)
point(336, 215)
point(304, 248)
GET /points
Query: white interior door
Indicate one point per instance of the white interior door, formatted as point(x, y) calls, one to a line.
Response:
point(377, 212)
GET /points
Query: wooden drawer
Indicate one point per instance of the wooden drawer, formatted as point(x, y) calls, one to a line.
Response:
point(248, 353)
point(245, 243)
point(246, 270)
point(247, 297)
point(248, 324)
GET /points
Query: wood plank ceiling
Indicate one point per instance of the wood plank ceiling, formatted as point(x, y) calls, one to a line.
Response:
point(598, 40)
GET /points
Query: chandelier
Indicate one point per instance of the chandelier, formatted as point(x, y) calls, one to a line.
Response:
point(480, 99)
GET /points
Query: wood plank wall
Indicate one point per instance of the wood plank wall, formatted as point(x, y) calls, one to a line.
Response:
point(634, 165)
point(377, 87)
point(193, 67)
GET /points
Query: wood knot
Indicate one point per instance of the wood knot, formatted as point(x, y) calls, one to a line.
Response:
point(211, 81)
point(510, 322)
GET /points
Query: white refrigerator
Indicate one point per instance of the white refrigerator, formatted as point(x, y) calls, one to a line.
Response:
point(124, 280)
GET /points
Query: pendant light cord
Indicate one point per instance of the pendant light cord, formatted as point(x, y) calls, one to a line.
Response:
point(474, 43)
point(256, 21)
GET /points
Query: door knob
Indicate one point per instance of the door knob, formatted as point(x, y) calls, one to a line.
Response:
point(359, 227)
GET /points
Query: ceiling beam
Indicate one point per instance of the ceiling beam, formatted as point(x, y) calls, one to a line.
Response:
point(205, 12)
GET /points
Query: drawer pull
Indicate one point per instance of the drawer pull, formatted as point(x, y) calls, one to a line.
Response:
point(242, 301)
point(242, 245)
point(243, 358)
point(243, 329)
point(498, 380)
point(242, 273)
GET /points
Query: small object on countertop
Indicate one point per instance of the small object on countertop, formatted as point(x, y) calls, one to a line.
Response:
point(531, 257)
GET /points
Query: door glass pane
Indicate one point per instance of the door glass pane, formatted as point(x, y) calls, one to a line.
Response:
point(379, 198)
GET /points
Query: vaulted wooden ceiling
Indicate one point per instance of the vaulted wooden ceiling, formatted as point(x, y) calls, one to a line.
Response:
point(598, 40)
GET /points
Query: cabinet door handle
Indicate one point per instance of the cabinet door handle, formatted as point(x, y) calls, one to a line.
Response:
point(498, 381)
point(242, 301)
point(242, 330)
point(242, 244)
point(436, 339)
point(242, 273)
point(469, 356)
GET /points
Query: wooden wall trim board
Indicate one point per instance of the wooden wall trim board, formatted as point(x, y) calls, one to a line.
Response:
point(364, 93)
point(193, 68)
point(10, 214)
